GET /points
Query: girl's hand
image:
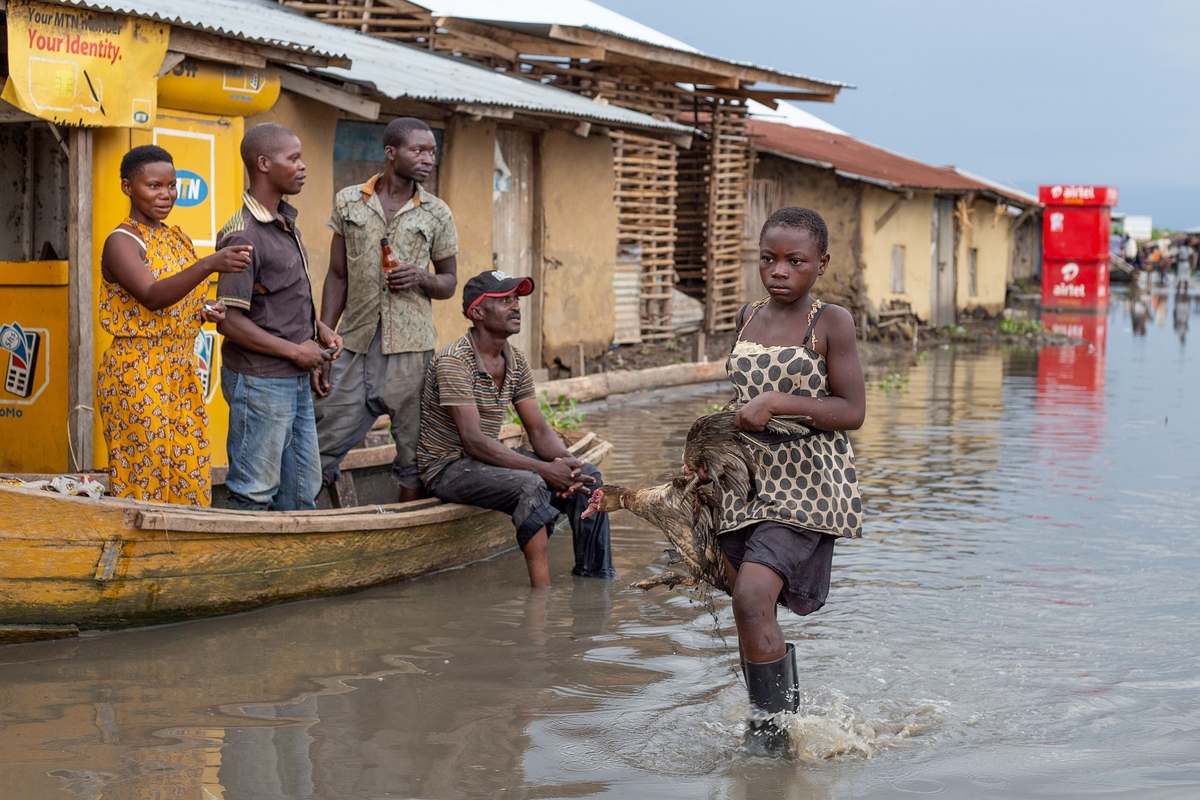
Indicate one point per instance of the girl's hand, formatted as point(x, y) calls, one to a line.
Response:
point(755, 415)
point(213, 311)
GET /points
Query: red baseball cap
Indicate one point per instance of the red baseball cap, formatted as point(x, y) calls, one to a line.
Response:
point(493, 283)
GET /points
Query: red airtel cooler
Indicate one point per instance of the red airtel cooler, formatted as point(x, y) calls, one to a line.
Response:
point(1075, 231)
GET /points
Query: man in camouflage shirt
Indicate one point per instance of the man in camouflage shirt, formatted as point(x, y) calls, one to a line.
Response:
point(386, 317)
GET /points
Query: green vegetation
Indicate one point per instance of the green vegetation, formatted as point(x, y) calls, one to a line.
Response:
point(893, 382)
point(563, 414)
point(714, 408)
point(1021, 327)
point(958, 333)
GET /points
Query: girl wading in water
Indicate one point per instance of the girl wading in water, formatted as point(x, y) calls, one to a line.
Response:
point(794, 357)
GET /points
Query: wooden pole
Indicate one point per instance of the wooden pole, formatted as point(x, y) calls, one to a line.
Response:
point(81, 367)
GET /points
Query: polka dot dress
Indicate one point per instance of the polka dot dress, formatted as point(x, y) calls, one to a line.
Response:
point(810, 483)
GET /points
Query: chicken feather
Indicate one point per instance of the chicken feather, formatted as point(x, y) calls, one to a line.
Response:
point(718, 458)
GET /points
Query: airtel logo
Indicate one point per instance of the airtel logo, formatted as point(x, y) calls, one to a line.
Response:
point(1056, 192)
point(1070, 271)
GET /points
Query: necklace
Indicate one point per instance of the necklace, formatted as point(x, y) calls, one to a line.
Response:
point(812, 315)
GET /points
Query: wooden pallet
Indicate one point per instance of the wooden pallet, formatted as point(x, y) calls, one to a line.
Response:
point(645, 190)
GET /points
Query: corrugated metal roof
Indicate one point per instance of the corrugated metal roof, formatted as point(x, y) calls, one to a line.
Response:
point(580, 14)
point(238, 19)
point(395, 70)
point(790, 115)
point(401, 71)
point(858, 160)
point(573, 13)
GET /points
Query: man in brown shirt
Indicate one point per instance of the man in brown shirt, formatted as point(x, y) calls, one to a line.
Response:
point(273, 340)
point(386, 318)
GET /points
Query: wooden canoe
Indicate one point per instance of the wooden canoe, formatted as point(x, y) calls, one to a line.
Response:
point(69, 563)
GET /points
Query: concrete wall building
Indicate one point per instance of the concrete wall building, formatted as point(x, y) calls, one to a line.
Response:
point(903, 234)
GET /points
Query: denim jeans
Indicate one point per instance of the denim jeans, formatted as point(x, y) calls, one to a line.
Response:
point(274, 462)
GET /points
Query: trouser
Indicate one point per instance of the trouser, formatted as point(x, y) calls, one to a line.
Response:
point(362, 387)
point(274, 463)
point(533, 505)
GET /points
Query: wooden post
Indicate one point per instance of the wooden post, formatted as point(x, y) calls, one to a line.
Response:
point(578, 365)
point(81, 366)
point(699, 348)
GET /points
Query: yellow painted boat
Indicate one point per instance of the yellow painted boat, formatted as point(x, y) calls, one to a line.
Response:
point(70, 563)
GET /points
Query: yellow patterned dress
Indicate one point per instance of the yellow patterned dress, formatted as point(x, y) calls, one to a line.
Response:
point(149, 392)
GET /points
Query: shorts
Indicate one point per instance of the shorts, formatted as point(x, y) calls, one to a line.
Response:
point(802, 558)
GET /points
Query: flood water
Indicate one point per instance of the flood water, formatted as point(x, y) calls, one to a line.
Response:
point(1021, 620)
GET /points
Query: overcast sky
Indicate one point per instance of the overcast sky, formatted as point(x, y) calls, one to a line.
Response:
point(1019, 91)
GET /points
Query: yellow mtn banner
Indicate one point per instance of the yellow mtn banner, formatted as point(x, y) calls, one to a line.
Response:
point(72, 66)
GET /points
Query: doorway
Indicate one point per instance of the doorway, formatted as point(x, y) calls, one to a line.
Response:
point(942, 282)
point(515, 241)
point(766, 196)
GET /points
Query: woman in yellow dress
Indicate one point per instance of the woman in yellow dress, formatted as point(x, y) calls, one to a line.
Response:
point(152, 301)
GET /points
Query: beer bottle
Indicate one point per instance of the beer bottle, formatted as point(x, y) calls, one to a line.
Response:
point(387, 260)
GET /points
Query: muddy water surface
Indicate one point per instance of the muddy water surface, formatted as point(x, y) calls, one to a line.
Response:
point(1021, 620)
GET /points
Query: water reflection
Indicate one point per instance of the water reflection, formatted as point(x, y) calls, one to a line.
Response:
point(1020, 618)
point(1070, 400)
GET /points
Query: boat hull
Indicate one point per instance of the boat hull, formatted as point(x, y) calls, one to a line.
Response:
point(75, 562)
point(112, 563)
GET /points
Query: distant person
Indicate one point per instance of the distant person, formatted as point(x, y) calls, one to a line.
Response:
point(1183, 265)
point(273, 340)
point(469, 385)
point(1183, 311)
point(1139, 314)
point(1116, 244)
point(148, 391)
point(1130, 250)
point(1156, 264)
point(386, 316)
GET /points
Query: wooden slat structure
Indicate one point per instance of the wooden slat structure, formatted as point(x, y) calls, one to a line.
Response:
point(714, 178)
point(645, 190)
point(387, 19)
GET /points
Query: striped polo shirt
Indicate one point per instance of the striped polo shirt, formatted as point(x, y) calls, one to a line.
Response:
point(456, 377)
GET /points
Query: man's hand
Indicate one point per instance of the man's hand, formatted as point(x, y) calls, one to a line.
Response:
point(318, 379)
point(234, 258)
point(755, 415)
point(309, 355)
point(565, 475)
point(329, 340)
point(404, 277)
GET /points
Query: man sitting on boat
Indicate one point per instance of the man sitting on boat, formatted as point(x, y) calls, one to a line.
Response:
point(468, 387)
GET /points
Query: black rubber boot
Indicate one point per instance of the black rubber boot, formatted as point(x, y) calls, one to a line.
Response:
point(773, 688)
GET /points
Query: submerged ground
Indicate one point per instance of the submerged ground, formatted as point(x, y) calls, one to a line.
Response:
point(1020, 620)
